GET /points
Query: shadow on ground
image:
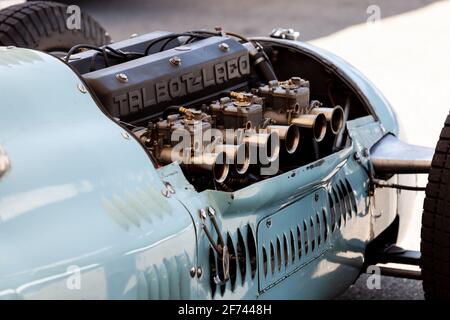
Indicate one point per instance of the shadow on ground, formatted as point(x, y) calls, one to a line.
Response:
point(390, 289)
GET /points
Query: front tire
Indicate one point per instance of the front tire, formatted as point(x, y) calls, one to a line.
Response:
point(435, 235)
point(41, 25)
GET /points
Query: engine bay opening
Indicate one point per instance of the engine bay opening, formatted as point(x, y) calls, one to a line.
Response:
point(229, 110)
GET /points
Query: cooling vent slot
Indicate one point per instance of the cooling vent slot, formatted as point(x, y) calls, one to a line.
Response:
point(286, 251)
point(342, 203)
point(242, 249)
point(167, 280)
point(302, 232)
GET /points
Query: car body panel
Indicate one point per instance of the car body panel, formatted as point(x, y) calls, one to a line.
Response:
point(287, 201)
point(79, 199)
point(83, 193)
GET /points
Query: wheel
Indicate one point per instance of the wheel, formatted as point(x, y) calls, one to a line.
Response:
point(42, 25)
point(435, 235)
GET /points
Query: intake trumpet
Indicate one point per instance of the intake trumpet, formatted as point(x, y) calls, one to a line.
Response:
point(289, 136)
point(215, 163)
point(334, 116)
point(237, 155)
point(314, 123)
point(268, 142)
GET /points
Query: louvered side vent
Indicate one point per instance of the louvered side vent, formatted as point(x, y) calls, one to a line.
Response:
point(168, 280)
point(342, 202)
point(286, 251)
point(291, 239)
point(242, 249)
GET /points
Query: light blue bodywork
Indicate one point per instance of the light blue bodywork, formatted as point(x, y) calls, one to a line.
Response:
point(85, 214)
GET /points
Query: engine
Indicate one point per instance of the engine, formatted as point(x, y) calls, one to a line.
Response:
point(213, 104)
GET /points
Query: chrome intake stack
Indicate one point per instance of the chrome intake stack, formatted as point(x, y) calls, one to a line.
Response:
point(288, 103)
point(235, 138)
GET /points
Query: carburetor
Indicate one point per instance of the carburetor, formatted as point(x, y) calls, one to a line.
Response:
point(223, 138)
point(240, 110)
point(244, 110)
point(188, 137)
point(288, 102)
point(291, 95)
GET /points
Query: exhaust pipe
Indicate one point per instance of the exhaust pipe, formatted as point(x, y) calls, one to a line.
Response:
point(238, 155)
point(334, 116)
point(317, 123)
point(216, 163)
point(290, 135)
point(268, 141)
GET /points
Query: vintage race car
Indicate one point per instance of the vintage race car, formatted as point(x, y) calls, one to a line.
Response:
point(200, 165)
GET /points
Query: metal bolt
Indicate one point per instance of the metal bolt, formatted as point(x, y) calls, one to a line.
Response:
point(169, 188)
point(165, 192)
point(269, 223)
point(122, 77)
point(366, 153)
point(81, 88)
point(193, 271)
point(176, 61)
point(125, 135)
point(224, 47)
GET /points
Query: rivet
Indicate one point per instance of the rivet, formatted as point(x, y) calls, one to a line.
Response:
point(268, 223)
point(81, 88)
point(199, 272)
point(193, 271)
point(5, 163)
point(316, 197)
point(122, 77)
point(224, 47)
point(125, 135)
point(176, 61)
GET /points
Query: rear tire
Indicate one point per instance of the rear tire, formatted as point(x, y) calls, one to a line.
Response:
point(41, 25)
point(435, 235)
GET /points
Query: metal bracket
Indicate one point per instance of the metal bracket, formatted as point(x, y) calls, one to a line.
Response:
point(5, 163)
point(283, 33)
point(219, 247)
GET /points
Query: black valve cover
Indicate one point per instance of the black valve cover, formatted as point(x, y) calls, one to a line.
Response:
point(142, 88)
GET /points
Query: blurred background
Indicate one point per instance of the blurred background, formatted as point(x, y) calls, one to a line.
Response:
point(403, 46)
